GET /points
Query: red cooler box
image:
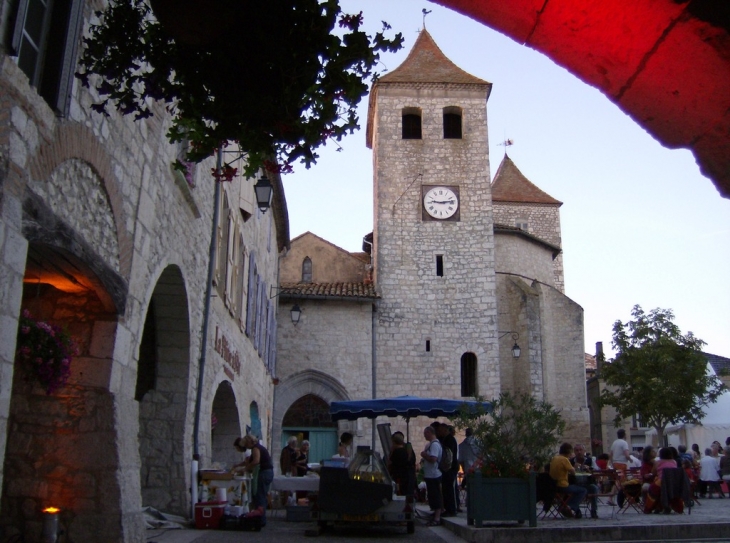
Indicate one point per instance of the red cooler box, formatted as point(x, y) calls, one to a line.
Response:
point(208, 514)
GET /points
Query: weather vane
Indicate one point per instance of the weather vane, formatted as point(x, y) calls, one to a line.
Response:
point(506, 143)
point(425, 12)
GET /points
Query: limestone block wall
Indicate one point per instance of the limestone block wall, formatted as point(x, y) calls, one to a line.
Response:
point(330, 264)
point(455, 313)
point(328, 354)
point(521, 256)
point(543, 221)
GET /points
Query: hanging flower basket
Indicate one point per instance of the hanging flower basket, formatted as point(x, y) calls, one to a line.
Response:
point(46, 351)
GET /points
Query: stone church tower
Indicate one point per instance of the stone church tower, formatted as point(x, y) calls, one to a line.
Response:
point(433, 261)
point(459, 269)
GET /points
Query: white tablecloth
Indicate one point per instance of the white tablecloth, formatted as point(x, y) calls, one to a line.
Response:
point(310, 484)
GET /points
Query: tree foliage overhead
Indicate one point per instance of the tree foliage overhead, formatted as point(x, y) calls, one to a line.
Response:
point(276, 77)
point(518, 430)
point(658, 373)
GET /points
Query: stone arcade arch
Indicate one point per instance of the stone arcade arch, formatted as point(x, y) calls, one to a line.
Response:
point(225, 426)
point(162, 393)
point(63, 449)
point(299, 385)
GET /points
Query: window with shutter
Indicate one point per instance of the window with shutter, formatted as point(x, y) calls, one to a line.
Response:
point(45, 41)
point(240, 269)
point(271, 351)
point(222, 255)
point(257, 314)
point(251, 300)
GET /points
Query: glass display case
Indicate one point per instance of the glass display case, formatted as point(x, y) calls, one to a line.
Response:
point(369, 466)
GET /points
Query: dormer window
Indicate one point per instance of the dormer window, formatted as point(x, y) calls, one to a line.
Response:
point(452, 122)
point(411, 123)
point(307, 270)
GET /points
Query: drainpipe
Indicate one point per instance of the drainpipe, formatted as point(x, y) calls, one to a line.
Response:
point(374, 366)
point(204, 333)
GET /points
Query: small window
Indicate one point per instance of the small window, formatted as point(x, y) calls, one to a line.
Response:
point(452, 123)
point(428, 345)
point(411, 123)
point(439, 265)
point(307, 270)
point(45, 41)
point(468, 375)
point(522, 224)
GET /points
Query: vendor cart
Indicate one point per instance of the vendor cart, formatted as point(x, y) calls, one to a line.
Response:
point(362, 492)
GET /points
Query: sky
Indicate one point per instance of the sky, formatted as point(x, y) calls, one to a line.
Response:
point(640, 224)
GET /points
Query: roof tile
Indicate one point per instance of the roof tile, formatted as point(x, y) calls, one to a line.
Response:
point(329, 290)
point(510, 185)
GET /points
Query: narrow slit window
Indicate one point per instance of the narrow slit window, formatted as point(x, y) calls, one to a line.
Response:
point(439, 265)
point(428, 345)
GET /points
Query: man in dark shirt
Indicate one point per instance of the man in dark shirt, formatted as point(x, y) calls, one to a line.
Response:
point(448, 479)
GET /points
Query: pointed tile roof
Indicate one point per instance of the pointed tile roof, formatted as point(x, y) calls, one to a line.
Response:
point(510, 185)
point(426, 63)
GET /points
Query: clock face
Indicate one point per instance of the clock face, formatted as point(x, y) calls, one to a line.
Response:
point(441, 202)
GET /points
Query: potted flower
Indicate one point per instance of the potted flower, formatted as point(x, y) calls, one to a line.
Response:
point(516, 436)
point(44, 350)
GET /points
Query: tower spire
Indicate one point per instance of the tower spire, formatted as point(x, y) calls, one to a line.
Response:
point(425, 12)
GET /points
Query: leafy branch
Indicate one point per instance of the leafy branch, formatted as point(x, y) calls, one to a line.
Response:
point(276, 78)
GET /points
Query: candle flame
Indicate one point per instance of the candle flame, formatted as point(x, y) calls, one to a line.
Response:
point(52, 510)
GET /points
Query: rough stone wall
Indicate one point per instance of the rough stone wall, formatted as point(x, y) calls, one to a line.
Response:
point(543, 221)
point(457, 312)
point(520, 256)
point(330, 264)
point(564, 360)
point(328, 354)
point(109, 181)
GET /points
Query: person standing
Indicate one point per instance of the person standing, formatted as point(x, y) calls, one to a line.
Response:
point(467, 451)
point(619, 455)
point(430, 455)
point(302, 459)
point(709, 476)
point(260, 458)
point(344, 449)
point(448, 476)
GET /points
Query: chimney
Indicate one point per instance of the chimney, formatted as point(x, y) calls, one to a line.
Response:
point(599, 357)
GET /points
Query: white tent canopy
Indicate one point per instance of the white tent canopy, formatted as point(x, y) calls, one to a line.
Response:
point(715, 425)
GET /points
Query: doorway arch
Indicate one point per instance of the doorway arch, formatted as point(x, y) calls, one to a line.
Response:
point(162, 390)
point(225, 426)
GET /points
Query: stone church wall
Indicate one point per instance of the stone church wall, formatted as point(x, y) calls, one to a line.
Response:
point(521, 256)
point(330, 264)
point(542, 221)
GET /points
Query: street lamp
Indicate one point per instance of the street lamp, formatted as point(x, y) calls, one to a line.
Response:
point(264, 192)
point(296, 314)
point(516, 351)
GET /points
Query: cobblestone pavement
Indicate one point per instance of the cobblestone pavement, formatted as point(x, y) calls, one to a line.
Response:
point(708, 522)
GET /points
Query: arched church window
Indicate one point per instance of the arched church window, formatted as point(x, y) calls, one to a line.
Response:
point(452, 122)
point(468, 374)
point(411, 123)
point(307, 270)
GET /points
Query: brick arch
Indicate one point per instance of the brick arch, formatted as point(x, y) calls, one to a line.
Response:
point(73, 140)
point(300, 384)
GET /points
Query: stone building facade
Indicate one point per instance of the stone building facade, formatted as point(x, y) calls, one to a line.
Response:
point(99, 235)
point(455, 286)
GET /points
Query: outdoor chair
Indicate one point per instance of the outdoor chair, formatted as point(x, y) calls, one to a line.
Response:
point(553, 502)
point(676, 491)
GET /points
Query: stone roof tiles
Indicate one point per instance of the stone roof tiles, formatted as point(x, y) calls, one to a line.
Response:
point(510, 185)
point(354, 291)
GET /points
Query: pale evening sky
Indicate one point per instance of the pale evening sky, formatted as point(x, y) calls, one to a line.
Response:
point(640, 224)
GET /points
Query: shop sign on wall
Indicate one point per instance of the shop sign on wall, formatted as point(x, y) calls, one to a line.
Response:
point(229, 355)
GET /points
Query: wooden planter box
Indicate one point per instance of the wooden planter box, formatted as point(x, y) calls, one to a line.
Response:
point(490, 499)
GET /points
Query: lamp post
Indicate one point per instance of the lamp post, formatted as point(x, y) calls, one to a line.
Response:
point(264, 192)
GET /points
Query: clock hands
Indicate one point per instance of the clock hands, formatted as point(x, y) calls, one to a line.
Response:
point(444, 202)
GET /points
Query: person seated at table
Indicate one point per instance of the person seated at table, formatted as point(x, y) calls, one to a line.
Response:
point(602, 461)
point(560, 468)
point(288, 457)
point(710, 476)
point(583, 463)
point(653, 497)
point(344, 449)
point(646, 472)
